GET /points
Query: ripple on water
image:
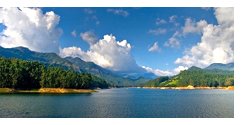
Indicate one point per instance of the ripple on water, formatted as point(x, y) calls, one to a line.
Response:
point(122, 103)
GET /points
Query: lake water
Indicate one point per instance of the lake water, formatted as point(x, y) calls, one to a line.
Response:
point(121, 103)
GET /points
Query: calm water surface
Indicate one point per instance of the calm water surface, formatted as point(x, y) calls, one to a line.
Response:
point(121, 103)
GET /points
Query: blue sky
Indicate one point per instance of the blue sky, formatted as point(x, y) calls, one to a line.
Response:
point(141, 27)
point(134, 28)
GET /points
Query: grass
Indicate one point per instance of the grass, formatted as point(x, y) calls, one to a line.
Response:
point(48, 91)
point(6, 90)
point(170, 83)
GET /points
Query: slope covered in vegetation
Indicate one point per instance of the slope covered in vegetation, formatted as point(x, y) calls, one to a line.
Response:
point(20, 74)
point(196, 77)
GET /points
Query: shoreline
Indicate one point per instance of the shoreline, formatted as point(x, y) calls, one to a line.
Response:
point(89, 91)
point(190, 88)
point(46, 91)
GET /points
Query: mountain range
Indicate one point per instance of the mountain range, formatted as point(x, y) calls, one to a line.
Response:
point(214, 75)
point(114, 77)
point(220, 66)
point(77, 64)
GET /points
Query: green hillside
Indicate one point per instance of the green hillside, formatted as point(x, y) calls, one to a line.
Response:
point(196, 77)
point(20, 74)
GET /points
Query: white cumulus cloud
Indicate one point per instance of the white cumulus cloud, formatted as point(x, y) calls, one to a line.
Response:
point(72, 51)
point(108, 53)
point(193, 27)
point(179, 69)
point(159, 72)
point(31, 28)
point(216, 44)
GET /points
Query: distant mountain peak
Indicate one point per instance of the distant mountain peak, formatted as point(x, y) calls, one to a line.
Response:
point(22, 49)
point(76, 64)
point(194, 68)
point(221, 66)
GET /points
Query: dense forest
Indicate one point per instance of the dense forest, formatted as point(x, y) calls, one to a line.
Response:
point(196, 77)
point(156, 82)
point(20, 74)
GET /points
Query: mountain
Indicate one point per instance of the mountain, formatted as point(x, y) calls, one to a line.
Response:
point(220, 66)
point(70, 63)
point(136, 75)
point(194, 68)
point(212, 76)
point(26, 54)
point(92, 68)
point(88, 67)
point(114, 77)
point(156, 82)
point(128, 78)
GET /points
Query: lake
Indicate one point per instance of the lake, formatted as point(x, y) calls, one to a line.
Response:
point(121, 103)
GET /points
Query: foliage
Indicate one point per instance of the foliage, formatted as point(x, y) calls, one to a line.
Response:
point(197, 77)
point(156, 82)
point(19, 74)
point(202, 77)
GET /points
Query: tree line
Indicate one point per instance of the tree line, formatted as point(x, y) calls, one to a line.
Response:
point(20, 74)
point(211, 78)
point(196, 77)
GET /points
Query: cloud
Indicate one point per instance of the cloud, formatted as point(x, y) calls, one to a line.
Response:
point(179, 69)
point(91, 15)
point(189, 27)
point(193, 27)
point(206, 8)
point(173, 19)
point(158, 31)
point(225, 16)
point(89, 37)
point(73, 33)
point(118, 12)
point(108, 53)
point(216, 44)
point(160, 21)
point(73, 52)
point(31, 28)
point(173, 41)
point(95, 18)
point(89, 11)
point(154, 48)
point(159, 72)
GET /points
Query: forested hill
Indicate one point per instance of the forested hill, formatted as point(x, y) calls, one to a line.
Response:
point(70, 63)
point(196, 77)
point(20, 74)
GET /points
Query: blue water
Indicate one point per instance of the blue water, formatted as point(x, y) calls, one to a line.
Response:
point(121, 103)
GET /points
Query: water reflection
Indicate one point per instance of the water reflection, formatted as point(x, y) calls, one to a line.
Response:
point(121, 103)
